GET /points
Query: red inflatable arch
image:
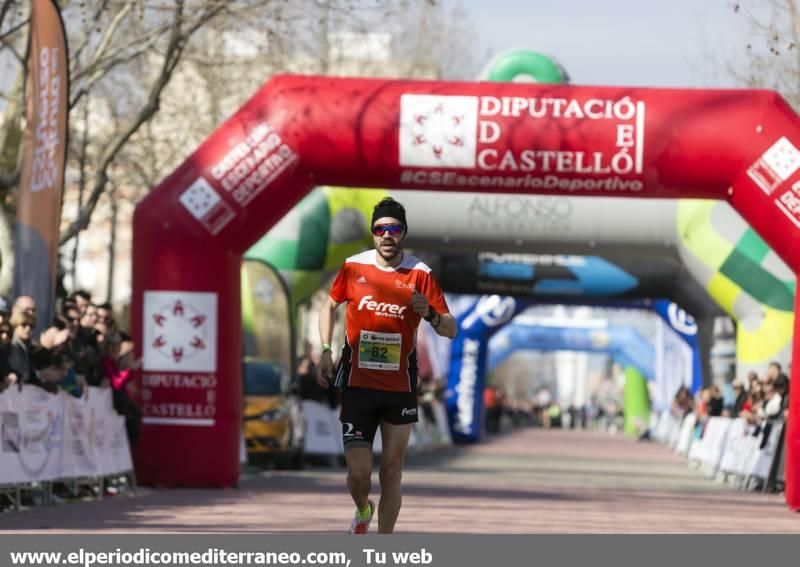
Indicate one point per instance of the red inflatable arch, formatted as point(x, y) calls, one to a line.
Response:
point(298, 132)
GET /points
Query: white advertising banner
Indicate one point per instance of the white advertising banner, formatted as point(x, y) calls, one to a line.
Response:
point(53, 436)
point(673, 367)
point(32, 435)
point(323, 430)
point(79, 429)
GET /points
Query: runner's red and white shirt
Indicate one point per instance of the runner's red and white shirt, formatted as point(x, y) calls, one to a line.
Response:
point(381, 326)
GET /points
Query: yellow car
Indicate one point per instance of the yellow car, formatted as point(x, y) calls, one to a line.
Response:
point(272, 415)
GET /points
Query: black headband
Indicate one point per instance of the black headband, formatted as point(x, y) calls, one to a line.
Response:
point(394, 210)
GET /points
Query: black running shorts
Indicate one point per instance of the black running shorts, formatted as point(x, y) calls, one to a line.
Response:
point(363, 409)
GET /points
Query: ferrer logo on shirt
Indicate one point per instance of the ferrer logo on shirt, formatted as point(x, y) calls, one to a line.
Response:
point(382, 309)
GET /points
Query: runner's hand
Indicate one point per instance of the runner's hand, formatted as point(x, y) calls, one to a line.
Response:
point(419, 303)
point(325, 369)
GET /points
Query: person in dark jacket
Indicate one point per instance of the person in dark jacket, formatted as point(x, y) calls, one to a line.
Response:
point(741, 397)
point(21, 349)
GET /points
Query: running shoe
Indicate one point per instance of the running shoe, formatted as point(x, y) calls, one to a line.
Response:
point(361, 527)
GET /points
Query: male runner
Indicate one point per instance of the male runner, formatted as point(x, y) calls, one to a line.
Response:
point(388, 293)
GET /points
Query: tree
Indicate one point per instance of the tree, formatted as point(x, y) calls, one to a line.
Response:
point(773, 50)
point(112, 36)
point(152, 78)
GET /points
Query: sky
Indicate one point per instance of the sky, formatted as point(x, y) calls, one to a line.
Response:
point(659, 43)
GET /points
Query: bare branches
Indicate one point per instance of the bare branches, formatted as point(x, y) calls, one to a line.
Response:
point(179, 37)
point(91, 75)
point(7, 40)
point(5, 44)
point(127, 53)
point(81, 44)
point(4, 7)
point(111, 29)
point(13, 29)
point(773, 50)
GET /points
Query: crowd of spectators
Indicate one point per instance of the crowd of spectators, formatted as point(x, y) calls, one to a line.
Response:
point(757, 400)
point(81, 347)
point(761, 401)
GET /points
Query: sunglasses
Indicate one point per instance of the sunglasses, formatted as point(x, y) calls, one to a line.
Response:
point(393, 229)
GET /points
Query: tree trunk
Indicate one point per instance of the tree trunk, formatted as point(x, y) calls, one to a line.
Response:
point(112, 242)
point(6, 253)
point(82, 159)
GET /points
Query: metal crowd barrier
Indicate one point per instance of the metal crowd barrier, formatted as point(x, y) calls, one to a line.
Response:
point(11, 495)
point(727, 448)
point(49, 440)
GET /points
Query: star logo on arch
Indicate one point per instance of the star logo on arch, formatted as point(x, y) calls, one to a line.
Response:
point(438, 131)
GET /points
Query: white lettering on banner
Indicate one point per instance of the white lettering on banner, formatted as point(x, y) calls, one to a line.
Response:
point(594, 109)
point(516, 207)
point(467, 378)
point(253, 164)
point(789, 204)
point(180, 346)
point(547, 161)
point(532, 259)
point(454, 132)
point(180, 337)
point(179, 381)
point(191, 422)
point(528, 181)
point(489, 132)
point(533, 215)
point(240, 150)
point(47, 140)
point(174, 409)
point(269, 169)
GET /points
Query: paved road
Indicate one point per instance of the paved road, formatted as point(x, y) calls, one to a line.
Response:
point(530, 481)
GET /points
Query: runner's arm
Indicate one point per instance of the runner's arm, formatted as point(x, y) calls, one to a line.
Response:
point(438, 315)
point(326, 321)
point(445, 325)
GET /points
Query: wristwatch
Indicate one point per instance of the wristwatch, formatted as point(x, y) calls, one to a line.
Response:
point(326, 348)
point(430, 314)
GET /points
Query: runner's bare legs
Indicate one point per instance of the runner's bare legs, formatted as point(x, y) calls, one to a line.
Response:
point(395, 441)
point(359, 473)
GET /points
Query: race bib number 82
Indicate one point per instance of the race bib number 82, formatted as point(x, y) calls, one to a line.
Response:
point(379, 351)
